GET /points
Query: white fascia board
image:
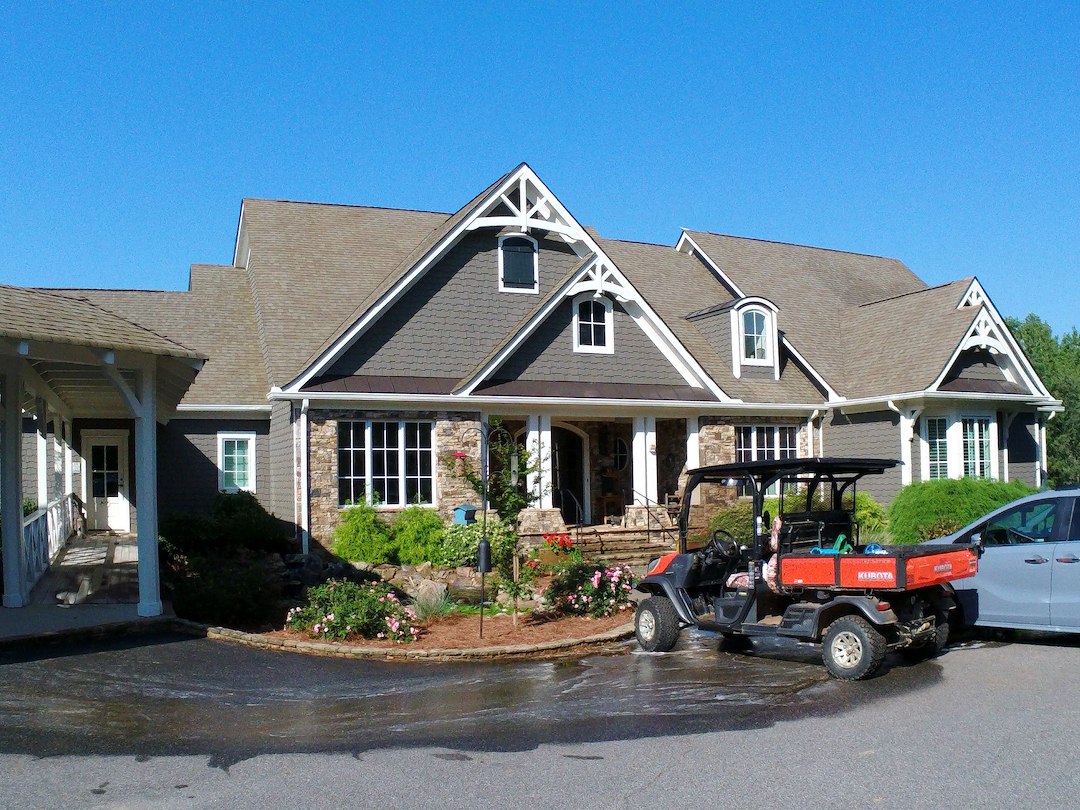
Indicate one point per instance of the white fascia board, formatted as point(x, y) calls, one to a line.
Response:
point(802, 361)
point(921, 398)
point(687, 240)
point(1018, 355)
point(239, 234)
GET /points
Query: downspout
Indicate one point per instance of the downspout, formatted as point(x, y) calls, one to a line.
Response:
point(1042, 473)
point(305, 506)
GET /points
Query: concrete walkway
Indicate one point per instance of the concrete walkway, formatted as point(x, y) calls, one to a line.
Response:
point(92, 584)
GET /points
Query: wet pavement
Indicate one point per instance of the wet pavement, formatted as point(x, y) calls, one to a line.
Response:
point(176, 695)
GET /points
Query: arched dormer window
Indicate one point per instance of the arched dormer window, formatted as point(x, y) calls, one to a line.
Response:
point(754, 339)
point(594, 324)
point(518, 264)
point(755, 336)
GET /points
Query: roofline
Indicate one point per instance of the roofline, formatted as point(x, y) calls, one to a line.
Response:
point(797, 244)
point(1024, 399)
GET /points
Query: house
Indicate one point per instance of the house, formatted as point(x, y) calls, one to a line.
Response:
point(347, 352)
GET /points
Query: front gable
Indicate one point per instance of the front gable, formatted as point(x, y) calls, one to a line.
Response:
point(454, 312)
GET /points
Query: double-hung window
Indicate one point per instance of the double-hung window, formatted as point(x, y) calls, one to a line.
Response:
point(977, 458)
point(594, 324)
point(937, 447)
point(388, 463)
point(236, 462)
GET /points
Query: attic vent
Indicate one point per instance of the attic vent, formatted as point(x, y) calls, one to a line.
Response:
point(518, 264)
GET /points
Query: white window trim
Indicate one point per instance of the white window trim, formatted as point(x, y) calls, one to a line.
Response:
point(536, 265)
point(401, 504)
point(954, 442)
point(738, 338)
point(249, 437)
point(609, 325)
point(774, 442)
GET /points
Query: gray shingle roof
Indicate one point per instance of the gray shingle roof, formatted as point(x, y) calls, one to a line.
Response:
point(52, 317)
point(216, 317)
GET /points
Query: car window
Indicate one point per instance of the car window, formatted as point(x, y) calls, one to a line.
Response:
point(1027, 523)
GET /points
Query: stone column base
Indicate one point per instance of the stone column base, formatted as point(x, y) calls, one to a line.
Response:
point(639, 516)
point(541, 521)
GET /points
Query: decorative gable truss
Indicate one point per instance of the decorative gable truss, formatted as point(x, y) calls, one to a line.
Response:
point(522, 202)
point(989, 332)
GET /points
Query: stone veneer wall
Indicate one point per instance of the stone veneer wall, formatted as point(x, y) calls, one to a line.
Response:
point(454, 432)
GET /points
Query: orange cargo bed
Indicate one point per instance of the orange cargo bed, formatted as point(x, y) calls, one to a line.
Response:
point(901, 568)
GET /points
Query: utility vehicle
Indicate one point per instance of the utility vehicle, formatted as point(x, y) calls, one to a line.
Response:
point(858, 601)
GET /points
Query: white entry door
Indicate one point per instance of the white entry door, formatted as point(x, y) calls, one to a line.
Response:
point(106, 482)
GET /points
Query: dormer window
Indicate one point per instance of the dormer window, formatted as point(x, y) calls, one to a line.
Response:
point(754, 339)
point(593, 324)
point(518, 264)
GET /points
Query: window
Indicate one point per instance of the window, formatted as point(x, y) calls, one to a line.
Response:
point(761, 442)
point(386, 463)
point(1027, 523)
point(593, 324)
point(755, 337)
point(977, 461)
point(518, 264)
point(937, 447)
point(236, 462)
point(622, 453)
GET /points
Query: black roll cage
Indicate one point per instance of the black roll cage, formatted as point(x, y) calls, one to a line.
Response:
point(840, 473)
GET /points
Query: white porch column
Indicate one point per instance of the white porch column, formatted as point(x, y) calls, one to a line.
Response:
point(644, 472)
point(14, 555)
point(907, 435)
point(41, 412)
point(693, 452)
point(538, 442)
point(146, 491)
point(1040, 469)
point(69, 481)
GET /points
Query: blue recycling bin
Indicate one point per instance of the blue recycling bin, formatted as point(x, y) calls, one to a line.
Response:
point(466, 513)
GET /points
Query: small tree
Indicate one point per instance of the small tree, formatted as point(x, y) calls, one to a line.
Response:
point(509, 466)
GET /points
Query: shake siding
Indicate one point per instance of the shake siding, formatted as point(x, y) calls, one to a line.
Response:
point(1024, 448)
point(868, 435)
point(187, 462)
point(453, 316)
point(548, 355)
point(282, 498)
point(29, 460)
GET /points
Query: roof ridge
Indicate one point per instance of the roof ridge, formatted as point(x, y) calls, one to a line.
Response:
point(345, 205)
point(793, 244)
point(913, 292)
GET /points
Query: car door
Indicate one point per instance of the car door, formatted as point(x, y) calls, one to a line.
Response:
point(1065, 577)
point(1015, 570)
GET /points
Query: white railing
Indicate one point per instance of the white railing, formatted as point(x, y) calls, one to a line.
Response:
point(45, 532)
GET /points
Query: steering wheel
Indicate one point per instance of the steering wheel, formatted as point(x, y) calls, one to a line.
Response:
point(722, 544)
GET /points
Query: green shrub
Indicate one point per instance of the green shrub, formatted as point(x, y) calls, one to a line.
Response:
point(363, 535)
point(29, 506)
point(590, 589)
point(341, 610)
point(418, 533)
point(738, 519)
point(235, 521)
point(241, 592)
point(869, 514)
point(932, 508)
point(461, 540)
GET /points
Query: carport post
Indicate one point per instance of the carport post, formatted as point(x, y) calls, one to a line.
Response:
point(146, 517)
point(14, 555)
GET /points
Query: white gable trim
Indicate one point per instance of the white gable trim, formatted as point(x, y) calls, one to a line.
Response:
point(686, 244)
point(601, 276)
point(988, 331)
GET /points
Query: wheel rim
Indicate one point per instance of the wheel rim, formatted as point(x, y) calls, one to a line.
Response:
point(846, 649)
point(646, 625)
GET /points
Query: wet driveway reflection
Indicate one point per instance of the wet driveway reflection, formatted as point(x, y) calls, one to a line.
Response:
point(177, 695)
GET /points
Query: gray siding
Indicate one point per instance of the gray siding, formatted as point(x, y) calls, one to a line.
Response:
point(1024, 448)
point(453, 316)
point(187, 462)
point(281, 470)
point(29, 460)
point(548, 355)
point(868, 435)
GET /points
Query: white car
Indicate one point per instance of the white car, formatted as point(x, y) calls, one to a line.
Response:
point(1029, 576)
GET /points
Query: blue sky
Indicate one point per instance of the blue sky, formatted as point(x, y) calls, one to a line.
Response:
point(945, 135)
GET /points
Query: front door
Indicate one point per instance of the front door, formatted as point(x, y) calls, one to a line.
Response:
point(106, 482)
point(568, 475)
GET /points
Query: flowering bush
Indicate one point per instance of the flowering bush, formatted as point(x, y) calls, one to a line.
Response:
point(559, 542)
point(591, 589)
point(340, 610)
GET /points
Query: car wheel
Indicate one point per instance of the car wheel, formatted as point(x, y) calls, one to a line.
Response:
point(852, 649)
point(656, 624)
